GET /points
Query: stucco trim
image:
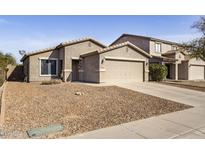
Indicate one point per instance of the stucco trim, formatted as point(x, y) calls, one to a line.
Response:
point(125, 59)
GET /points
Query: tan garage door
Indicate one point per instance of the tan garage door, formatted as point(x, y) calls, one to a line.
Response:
point(196, 72)
point(123, 71)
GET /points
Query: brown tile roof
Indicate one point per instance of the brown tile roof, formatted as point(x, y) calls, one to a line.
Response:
point(117, 46)
point(67, 43)
point(82, 40)
point(146, 37)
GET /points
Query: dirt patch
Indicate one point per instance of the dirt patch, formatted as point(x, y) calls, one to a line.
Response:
point(30, 105)
point(193, 85)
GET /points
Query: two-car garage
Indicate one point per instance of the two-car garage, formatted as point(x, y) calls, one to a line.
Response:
point(118, 63)
point(124, 71)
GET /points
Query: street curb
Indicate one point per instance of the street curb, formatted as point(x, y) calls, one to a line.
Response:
point(2, 114)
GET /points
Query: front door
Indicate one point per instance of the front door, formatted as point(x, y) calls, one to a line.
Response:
point(75, 72)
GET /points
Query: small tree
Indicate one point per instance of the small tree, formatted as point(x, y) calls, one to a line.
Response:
point(157, 72)
point(196, 47)
point(5, 59)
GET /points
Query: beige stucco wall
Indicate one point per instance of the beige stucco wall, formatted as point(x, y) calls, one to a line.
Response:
point(90, 69)
point(180, 57)
point(63, 53)
point(123, 52)
point(164, 48)
point(74, 51)
point(34, 66)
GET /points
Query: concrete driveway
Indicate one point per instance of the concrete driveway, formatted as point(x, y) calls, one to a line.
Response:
point(189, 123)
point(185, 96)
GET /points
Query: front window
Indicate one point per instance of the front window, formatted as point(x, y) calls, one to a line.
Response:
point(158, 47)
point(48, 67)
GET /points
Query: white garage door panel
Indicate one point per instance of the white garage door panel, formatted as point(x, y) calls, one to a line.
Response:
point(196, 72)
point(123, 71)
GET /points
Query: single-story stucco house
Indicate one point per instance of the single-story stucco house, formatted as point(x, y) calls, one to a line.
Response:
point(126, 59)
point(87, 60)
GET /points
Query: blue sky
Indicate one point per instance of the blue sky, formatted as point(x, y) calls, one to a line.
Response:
point(35, 32)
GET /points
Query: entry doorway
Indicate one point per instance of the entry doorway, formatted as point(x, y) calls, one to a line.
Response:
point(75, 70)
point(168, 71)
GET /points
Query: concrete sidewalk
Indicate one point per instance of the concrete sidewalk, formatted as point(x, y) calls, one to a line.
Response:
point(189, 123)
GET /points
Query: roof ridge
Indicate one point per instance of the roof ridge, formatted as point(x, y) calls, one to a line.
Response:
point(123, 44)
point(41, 50)
point(63, 43)
point(113, 46)
point(76, 40)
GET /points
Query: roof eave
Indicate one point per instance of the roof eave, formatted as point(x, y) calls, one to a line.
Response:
point(82, 40)
point(125, 44)
point(89, 54)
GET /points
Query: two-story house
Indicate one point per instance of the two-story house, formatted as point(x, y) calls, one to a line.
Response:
point(180, 65)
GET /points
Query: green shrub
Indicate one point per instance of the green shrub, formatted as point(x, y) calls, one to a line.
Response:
point(50, 82)
point(157, 72)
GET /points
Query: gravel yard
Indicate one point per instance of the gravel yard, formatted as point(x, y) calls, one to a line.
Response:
point(193, 85)
point(31, 105)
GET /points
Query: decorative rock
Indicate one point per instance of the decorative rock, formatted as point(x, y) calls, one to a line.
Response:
point(79, 93)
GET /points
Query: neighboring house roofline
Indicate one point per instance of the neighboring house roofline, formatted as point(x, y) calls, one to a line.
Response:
point(146, 37)
point(165, 58)
point(170, 52)
point(62, 45)
point(127, 43)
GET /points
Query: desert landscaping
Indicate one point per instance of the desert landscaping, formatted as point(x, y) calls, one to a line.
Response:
point(79, 108)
